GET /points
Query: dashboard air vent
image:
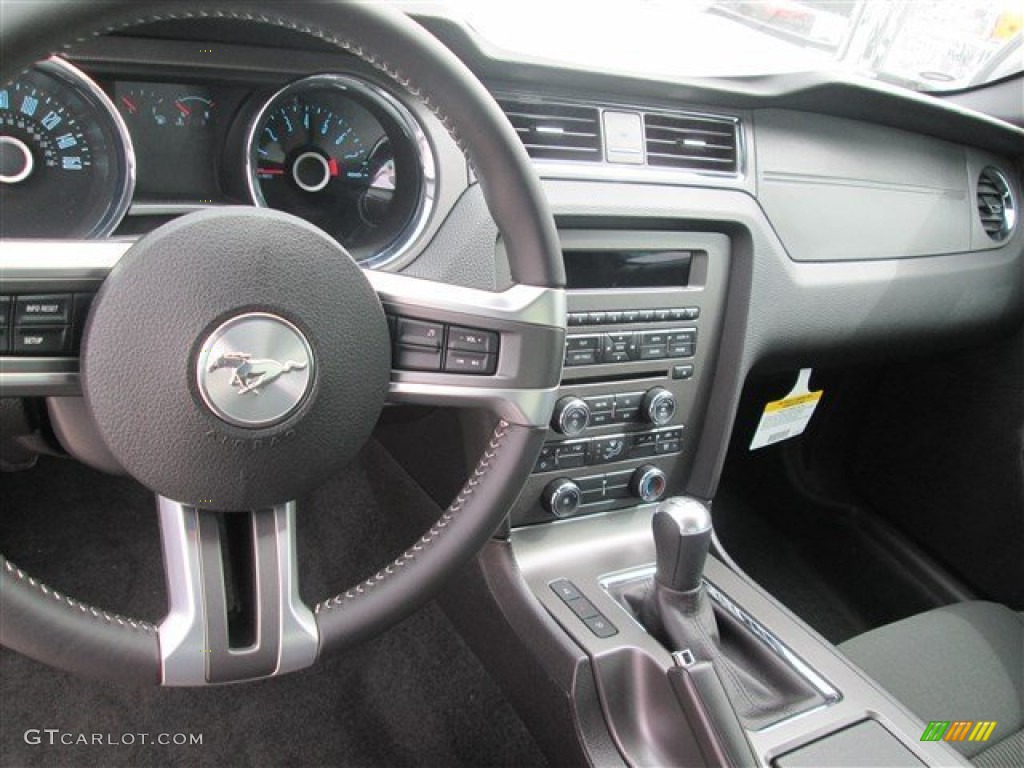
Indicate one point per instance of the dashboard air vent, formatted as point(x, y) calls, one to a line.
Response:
point(555, 131)
point(995, 204)
point(691, 142)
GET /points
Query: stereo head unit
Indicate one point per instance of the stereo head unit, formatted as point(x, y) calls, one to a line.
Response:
point(623, 268)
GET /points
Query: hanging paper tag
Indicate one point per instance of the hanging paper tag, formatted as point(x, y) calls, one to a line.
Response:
point(788, 417)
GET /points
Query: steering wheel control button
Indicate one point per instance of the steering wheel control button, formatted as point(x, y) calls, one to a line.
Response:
point(472, 340)
point(40, 341)
point(255, 370)
point(42, 310)
point(469, 362)
point(561, 497)
point(571, 416)
point(419, 333)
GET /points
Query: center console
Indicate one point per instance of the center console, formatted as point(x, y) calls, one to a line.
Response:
point(644, 318)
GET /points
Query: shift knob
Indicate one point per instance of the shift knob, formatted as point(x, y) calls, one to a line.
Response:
point(682, 533)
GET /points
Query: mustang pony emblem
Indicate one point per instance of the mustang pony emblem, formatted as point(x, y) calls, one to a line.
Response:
point(249, 375)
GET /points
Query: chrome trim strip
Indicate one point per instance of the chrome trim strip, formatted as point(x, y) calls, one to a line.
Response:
point(524, 304)
point(59, 259)
point(406, 122)
point(39, 376)
point(767, 638)
point(526, 407)
point(170, 209)
point(183, 633)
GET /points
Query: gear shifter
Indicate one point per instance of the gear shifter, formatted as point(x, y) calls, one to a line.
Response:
point(675, 607)
point(682, 533)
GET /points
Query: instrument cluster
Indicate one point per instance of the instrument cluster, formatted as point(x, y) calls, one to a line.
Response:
point(334, 149)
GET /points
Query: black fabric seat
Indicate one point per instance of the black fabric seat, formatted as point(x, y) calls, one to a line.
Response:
point(959, 662)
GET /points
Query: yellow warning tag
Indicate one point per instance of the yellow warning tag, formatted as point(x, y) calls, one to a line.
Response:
point(788, 417)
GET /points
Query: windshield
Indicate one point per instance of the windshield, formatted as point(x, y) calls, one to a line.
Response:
point(920, 44)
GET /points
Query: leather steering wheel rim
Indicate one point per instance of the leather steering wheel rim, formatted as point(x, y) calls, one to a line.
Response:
point(62, 632)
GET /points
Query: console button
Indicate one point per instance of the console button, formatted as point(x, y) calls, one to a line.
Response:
point(643, 445)
point(5, 340)
point(653, 352)
point(565, 589)
point(592, 488)
point(583, 608)
point(5, 311)
point(616, 484)
point(419, 333)
point(418, 359)
point(616, 357)
point(686, 336)
point(571, 455)
point(40, 341)
point(601, 419)
point(546, 461)
point(600, 403)
point(472, 340)
point(626, 415)
point(580, 357)
point(670, 434)
point(606, 449)
point(629, 399)
point(52, 309)
point(600, 626)
point(574, 343)
point(669, 446)
point(682, 372)
point(654, 337)
point(680, 350)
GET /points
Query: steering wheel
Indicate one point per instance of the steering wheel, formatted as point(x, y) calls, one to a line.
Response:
point(212, 291)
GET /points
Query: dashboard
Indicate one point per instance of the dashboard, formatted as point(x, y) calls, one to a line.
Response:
point(707, 229)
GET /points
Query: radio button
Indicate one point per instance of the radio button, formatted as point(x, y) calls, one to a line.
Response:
point(577, 318)
point(680, 350)
point(597, 318)
point(614, 317)
point(581, 357)
point(574, 343)
point(653, 352)
point(645, 315)
point(662, 315)
point(630, 316)
point(687, 336)
point(654, 337)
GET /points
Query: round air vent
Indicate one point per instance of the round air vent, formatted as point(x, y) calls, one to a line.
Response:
point(995, 204)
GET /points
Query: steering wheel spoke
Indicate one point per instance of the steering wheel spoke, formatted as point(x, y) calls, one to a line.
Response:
point(463, 347)
point(235, 611)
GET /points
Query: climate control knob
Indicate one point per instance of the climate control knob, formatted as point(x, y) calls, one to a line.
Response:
point(648, 483)
point(571, 417)
point(561, 497)
point(659, 406)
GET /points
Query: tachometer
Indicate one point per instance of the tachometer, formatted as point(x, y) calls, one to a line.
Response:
point(346, 156)
point(66, 161)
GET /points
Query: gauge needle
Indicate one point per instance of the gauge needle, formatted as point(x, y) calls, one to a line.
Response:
point(332, 166)
point(183, 109)
point(271, 171)
point(129, 104)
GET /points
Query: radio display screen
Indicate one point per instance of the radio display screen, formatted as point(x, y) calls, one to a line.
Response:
point(627, 268)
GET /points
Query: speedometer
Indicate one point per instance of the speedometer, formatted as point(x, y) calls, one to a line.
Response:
point(347, 157)
point(66, 162)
